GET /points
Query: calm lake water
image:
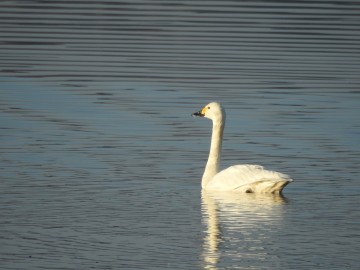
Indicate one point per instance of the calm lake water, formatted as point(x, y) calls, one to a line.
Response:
point(100, 161)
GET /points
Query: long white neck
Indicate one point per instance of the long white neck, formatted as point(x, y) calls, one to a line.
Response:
point(213, 163)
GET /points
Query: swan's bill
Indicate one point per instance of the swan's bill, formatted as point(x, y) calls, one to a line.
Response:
point(200, 113)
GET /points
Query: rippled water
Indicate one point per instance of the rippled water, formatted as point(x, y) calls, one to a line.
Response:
point(100, 161)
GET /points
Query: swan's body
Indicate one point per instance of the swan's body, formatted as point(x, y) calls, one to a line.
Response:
point(243, 178)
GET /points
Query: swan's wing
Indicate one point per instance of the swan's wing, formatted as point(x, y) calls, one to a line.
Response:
point(237, 176)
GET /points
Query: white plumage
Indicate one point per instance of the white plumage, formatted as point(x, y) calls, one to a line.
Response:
point(241, 178)
point(248, 178)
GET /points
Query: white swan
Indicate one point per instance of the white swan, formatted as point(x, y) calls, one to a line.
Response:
point(242, 178)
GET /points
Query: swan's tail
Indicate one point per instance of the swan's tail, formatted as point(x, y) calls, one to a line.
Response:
point(265, 186)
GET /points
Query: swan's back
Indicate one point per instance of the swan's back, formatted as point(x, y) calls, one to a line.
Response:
point(248, 178)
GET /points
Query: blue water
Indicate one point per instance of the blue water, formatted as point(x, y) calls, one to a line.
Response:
point(101, 163)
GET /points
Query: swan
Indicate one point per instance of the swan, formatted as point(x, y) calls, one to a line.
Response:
point(241, 178)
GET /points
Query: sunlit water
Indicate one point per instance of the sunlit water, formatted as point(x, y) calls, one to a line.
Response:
point(100, 161)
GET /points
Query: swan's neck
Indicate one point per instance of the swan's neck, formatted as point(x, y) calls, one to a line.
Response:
point(213, 163)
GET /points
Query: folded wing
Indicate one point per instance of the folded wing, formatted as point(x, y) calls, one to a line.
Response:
point(248, 178)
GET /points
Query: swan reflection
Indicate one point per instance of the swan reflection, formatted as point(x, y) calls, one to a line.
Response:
point(239, 226)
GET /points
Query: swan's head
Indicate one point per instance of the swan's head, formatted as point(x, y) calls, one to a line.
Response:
point(213, 111)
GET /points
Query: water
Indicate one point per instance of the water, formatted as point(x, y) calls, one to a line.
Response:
point(100, 161)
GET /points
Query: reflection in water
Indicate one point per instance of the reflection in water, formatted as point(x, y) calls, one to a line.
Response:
point(213, 237)
point(239, 221)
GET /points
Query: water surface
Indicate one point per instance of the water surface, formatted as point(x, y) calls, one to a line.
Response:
point(100, 161)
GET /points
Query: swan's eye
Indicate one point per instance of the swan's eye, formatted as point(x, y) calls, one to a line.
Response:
point(208, 107)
